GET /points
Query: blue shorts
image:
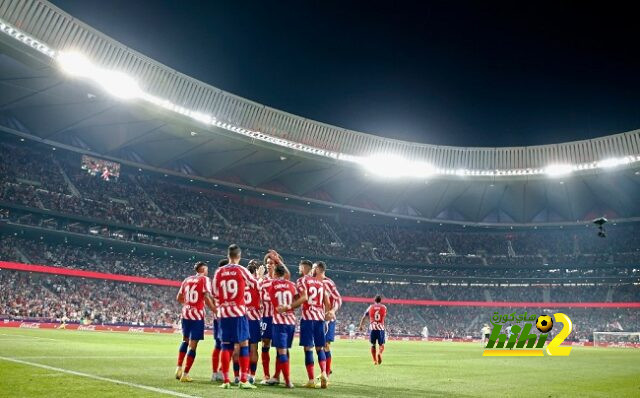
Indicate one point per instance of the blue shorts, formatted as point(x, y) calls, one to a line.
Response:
point(312, 333)
point(330, 336)
point(255, 334)
point(266, 327)
point(283, 335)
point(234, 330)
point(376, 335)
point(193, 330)
point(216, 333)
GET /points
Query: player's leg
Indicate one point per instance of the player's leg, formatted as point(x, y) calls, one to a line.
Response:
point(373, 338)
point(329, 338)
point(182, 350)
point(242, 336)
point(283, 338)
point(196, 334)
point(227, 335)
point(225, 359)
point(254, 338)
point(235, 359)
point(319, 343)
point(306, 341)
point(216, 375)
point(266, 332)
point(191, 356)
point(244, 365)
point(381, 341)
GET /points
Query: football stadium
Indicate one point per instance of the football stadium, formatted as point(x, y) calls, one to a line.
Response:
point(146, 216)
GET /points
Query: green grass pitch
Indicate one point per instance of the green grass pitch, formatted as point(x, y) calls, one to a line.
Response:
point(410, 369)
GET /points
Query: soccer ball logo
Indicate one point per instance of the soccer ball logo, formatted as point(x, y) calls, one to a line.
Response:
point(544, 323)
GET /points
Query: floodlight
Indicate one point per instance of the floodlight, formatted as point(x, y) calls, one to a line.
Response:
point(75, 64)
point(557, 170)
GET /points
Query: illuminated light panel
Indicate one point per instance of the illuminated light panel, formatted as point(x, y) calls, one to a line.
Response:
point(125, 87)
point(390, 166)
point(558, 170)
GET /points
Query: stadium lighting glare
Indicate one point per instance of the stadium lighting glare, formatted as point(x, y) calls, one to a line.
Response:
point(613, 162)
point(116, 83)
point(390, 166)
point(558, 170)
point(75, 64)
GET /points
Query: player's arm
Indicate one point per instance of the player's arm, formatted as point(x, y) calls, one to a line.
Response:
point(364, 316)
point(328, 311)
point(302, 297)
point(208, 297)
point(362, 321)
point(287, 273)
point(337, 299)
point(180, 296)
point(208, 300)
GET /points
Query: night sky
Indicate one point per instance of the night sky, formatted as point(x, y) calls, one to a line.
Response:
point(452, 73)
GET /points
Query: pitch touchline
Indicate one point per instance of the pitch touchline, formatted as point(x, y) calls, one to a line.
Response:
point(100, 378)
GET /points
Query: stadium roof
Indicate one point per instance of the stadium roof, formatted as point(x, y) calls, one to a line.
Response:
point(67, 84)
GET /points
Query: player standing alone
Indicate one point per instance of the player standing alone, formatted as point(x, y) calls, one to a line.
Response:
point(229, 286)
point(376, 313)
point(194, 293)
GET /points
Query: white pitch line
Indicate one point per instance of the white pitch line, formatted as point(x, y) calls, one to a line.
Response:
point(100, 378)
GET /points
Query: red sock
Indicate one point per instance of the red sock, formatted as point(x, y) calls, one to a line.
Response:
point(380, 353)
point(265, 364)
point(278, 368)
point(244, 368)
point(181, 356)
point(323, 366)
point(328, 365)
point(215, 360)
point(225, 358)
point(285, 372)
point(190, 359)
point(310, 371)
point(374, 354)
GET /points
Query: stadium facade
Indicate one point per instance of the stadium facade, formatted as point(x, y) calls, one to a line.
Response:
point(67, 85)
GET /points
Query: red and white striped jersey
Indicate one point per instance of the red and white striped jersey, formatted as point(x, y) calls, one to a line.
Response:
point(377, 313)
point(281, 292)
point(313, 308)
point(193, 290)
point(229, 287)
point(252, 299)
point(335, 299)
point(267, 306)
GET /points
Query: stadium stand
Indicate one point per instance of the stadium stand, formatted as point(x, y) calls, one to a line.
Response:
point(144, 224)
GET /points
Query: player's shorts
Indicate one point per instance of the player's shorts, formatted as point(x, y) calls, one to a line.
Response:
point(352, 334)
point(330, 336)
point(283, 335)
point(486, 335)
point(266, 327)
point(216, 333)
point(377, 336)
point(193, 329)
point(234, 330)
point(312, 333)
point(255, 332)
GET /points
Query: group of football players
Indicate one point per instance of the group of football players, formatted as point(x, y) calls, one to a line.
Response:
point(256, 304)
